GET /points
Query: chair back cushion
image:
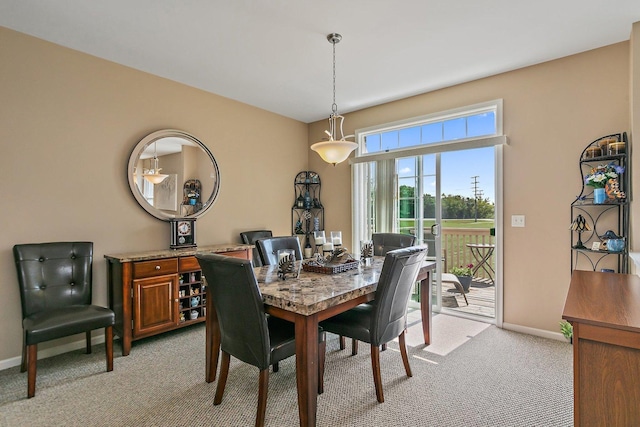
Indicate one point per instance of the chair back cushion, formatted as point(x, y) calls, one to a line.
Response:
point(268, 248)
point(239, 307)
point(53, 275)
point(250, 237)
point(385, 242)
point(399, 274)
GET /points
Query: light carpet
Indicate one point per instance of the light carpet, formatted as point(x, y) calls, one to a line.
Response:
point(473, 375)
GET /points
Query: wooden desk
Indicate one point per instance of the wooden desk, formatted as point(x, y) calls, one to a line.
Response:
point(604, 309)
point(305, 301)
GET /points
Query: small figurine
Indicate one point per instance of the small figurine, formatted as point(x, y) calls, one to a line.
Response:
point(299, 227)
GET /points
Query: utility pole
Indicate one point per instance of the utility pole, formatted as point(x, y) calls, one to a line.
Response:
point(477, 192)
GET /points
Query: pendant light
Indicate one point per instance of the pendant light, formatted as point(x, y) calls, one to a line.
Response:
point(153, 175)
point(334, 150)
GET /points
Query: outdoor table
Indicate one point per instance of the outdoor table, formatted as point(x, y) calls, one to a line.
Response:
point(482, 252)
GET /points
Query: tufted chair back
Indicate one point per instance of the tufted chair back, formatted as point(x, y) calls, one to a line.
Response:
point(385, 242)
point(53, 275)
point(55, 291)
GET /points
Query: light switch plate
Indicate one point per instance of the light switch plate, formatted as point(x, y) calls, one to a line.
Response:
point(517, 220)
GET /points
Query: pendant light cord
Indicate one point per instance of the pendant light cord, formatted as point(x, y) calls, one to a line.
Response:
point(334, 106)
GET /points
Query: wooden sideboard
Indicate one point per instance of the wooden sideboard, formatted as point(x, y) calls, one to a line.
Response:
point(157, 291)
point(604, 309)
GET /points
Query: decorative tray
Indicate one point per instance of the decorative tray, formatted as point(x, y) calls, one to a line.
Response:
point(330, 268)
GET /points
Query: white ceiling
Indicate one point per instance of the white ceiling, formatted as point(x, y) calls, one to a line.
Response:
point(274, 54)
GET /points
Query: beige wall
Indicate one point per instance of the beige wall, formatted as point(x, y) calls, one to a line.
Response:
point(635, 127)
point(551, 112)
point(66, 116)
point(68, 122)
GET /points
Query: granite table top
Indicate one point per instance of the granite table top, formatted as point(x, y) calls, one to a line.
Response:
point(312, 292)
point(170, 253)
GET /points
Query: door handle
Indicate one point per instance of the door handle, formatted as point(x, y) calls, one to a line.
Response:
point(435, 229)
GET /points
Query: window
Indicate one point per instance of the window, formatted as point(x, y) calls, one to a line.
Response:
point(480, 121)
point(387, 190)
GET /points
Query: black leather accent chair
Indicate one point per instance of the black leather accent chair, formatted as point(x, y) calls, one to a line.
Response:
point(385, 242)
point(385, 319)
point(55, 289)
point(246, 332)
point(268, 248)
point(250, 237)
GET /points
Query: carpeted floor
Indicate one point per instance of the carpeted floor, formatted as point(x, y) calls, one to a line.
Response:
point(473, 375)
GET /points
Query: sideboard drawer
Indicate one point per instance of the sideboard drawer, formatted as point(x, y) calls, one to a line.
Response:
point(237, 254)
point(157, 267)
point(188, 263)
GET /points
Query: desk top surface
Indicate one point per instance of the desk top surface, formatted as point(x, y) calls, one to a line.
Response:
point(311, 292)
point(604, 299)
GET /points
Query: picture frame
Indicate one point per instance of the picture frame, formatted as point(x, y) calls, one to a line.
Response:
point(595, 246)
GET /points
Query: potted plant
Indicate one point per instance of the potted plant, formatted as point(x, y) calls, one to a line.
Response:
point(599, 177)
point(464, 275)
point(567, 330)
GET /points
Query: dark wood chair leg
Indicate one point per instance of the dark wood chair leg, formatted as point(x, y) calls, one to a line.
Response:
point(354, 346)
point(322, 349)
point(384, 347)
point(343, 343)
point(263, 389)
point(108, 345)
point(32, 359)
point(403, 352)
point(23, 365)
point(222, 381)
point(377, 378)
point(276, 367)
point(88, 339)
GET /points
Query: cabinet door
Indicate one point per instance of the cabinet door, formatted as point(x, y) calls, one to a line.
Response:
point(154, 304)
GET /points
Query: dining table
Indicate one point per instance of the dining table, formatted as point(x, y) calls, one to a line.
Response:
point(306, 298)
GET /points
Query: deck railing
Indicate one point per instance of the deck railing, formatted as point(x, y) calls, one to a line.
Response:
point(456, 252)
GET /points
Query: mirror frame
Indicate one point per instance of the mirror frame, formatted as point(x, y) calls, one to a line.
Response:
point(135, 156)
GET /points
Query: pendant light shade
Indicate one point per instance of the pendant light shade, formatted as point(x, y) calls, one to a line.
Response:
point(335, 150)
point(153, 175)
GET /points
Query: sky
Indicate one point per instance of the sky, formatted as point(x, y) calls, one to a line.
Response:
point(457, 167)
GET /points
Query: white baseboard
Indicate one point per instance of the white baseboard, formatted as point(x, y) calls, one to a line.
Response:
point(53, 351)
point(533, 331)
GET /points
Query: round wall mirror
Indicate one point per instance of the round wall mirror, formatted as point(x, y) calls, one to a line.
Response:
point(173, 175)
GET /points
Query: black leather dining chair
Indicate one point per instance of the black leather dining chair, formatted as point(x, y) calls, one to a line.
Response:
point(250, 238)
point(246, 332)
point(268, 248)
point(383, 320)
point(383, 243)
point(55, 290)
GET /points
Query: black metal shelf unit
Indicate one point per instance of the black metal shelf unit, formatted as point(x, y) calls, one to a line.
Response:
point(307, 213)
point(612, 214)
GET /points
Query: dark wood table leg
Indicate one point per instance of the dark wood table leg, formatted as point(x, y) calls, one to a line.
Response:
point(425, 305)
point(307, 368)
point(212, 341)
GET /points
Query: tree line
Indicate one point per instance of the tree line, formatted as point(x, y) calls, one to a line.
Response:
point(453, 206)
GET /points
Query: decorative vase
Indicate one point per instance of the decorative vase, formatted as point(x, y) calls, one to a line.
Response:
point(599, 196)
point(465, 281)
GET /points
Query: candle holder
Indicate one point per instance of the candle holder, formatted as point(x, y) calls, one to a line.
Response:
point(336, 238)
point(319, 240)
